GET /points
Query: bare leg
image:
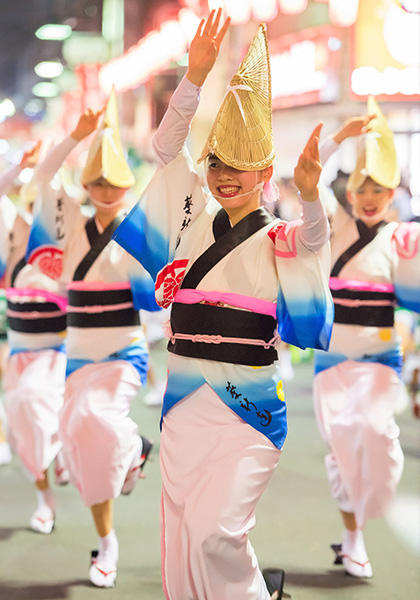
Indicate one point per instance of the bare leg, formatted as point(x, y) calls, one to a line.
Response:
point(103, 569)
point(349, 521)
point(103, 517)
point(42, 484)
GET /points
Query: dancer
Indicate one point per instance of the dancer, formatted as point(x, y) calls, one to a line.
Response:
point(34, 377)
point(106, 349)
point(233, 273)
point(357, 384)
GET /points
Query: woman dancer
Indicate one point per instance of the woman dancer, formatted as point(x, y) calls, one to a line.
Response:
point(106, 349)
point(34, 377)
point(233, 274)
point(375, 264)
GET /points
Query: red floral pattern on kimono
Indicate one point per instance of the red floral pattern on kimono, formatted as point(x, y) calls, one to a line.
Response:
point(170, 277)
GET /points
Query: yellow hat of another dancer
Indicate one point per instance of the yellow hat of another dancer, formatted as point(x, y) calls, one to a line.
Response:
point(377, 157)
point(242, 134)
point(106, 156)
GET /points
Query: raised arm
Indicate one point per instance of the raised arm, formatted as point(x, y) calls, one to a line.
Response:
point(314, 230)
point(86, 125)
point(175, 126)
point(352, 127)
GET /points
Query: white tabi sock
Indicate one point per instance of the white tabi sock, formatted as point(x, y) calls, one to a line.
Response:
point(355, 558)
point(42, 520)
point(45, 498)
point(103, 569)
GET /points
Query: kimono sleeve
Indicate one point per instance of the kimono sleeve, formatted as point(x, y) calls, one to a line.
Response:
point(406, 242)
point(171, 203)
point(305, 309)
point(55, 215)
point(142, 287)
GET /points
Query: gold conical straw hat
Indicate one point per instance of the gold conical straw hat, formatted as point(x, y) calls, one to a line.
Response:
point(377, 158)
point(242, 134)
point(106, 156)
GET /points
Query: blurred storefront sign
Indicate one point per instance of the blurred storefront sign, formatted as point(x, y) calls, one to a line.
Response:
point(86, 94)
point(305, 67)
point(385, 52)
point(152, 54)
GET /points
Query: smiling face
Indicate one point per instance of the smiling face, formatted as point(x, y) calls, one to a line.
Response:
point(235, 190)
point(370, 202)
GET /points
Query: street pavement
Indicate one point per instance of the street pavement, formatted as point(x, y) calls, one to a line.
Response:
point(296, 523)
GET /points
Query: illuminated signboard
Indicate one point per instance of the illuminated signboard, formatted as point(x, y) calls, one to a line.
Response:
point(385, 51)
point(305, 66)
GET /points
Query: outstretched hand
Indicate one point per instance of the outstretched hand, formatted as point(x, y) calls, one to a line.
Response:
point(30, 157)
point(205, 47)
point(353, 127)
point(88, 122)
point(308, 169)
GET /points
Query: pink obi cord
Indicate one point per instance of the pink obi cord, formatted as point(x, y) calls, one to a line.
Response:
point(357, 303)
point(100, 308)
point(353, 284)
point(98, 286)
point(190, 296)
point(218, 339)
point(33, 294)
point(33, 314)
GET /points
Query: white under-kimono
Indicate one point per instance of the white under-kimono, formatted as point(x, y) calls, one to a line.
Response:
point(107, 356)
point(232, 290)
point(357, 383)
point(34, 378)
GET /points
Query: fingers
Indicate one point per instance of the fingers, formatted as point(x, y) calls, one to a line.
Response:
point(312, 147)
point(215, 25)
point(94, 114)
point(209, 23)
point(211, 26)
point(316, 132)
point(222, 32)
point(199, 31)
point(366, 122)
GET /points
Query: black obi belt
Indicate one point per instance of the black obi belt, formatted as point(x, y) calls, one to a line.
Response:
point(35, 317)
point(101, 308)
point(366, 308)
point(208, 325)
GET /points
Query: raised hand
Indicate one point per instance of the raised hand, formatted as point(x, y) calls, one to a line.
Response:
point(353, 127)
point(30, 157)
point(88, 122)
point(308, 169)
point(205, 47)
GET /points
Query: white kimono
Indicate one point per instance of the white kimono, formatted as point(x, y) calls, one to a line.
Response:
point(34, 378)
point(107, 355)
point(357, 383)
point(224, 412)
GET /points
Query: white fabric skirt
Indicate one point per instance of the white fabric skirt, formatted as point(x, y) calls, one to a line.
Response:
point(33, 397)
point(99, 438)
point(215, 467)
point(354, 407)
